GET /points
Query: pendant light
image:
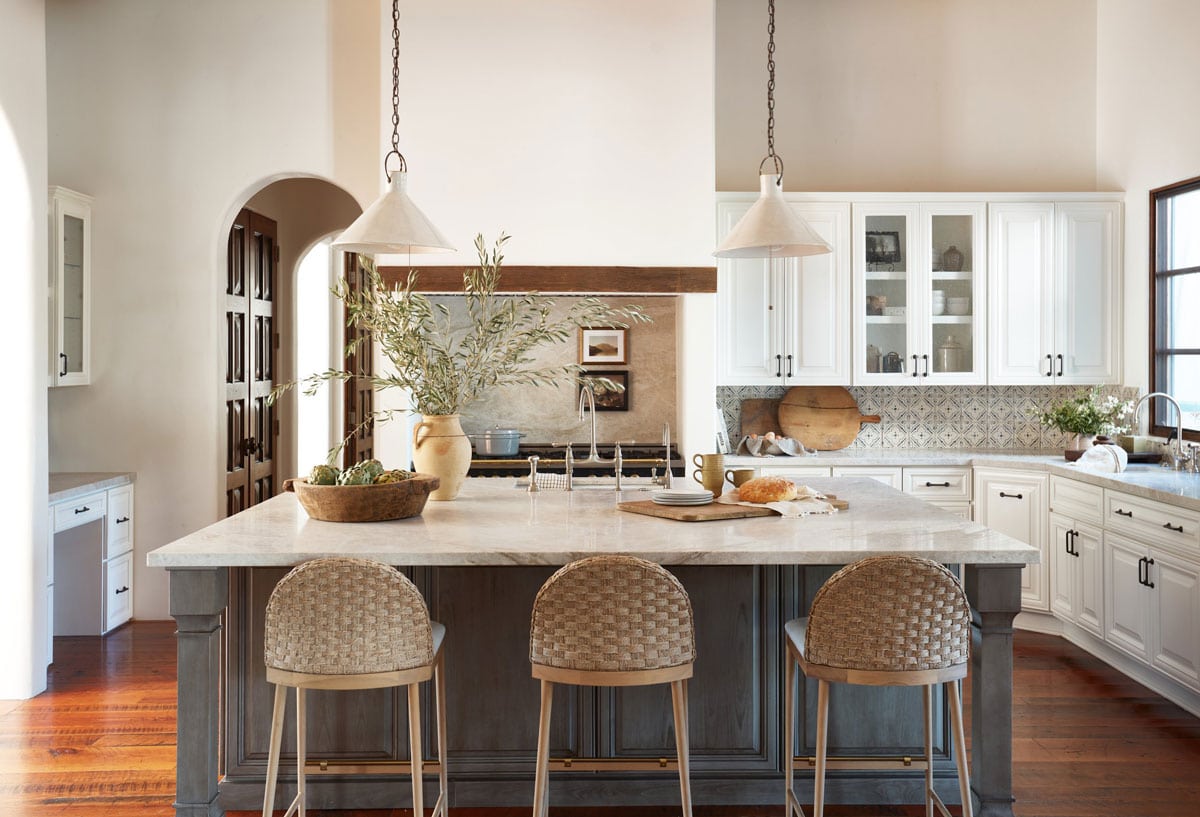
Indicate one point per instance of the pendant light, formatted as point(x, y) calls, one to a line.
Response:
point(393, 224)
point(770, 228)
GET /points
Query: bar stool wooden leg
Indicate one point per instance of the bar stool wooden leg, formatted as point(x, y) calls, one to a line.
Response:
point(541, 779)
point(960, 747)
point(439, 692)
point(301, 749)
point(275, 746)
point(927, 722)
point(414, 749)
point(679, 703)
point(822, 746)
point(789, 732)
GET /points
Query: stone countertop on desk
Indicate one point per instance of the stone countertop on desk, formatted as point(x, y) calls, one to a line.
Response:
point(66, 485)
point(1148, 481)
point(491, 523)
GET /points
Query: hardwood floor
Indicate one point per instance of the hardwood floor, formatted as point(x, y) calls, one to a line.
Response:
point(101, 740)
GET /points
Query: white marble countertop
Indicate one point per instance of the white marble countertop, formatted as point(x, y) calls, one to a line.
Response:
point(1148, 481)
point(67, 485)
point(492, 523)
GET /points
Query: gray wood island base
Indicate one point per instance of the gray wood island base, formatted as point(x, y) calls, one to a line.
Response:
point(479, 561)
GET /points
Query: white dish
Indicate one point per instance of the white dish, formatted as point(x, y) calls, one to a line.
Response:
point(684, 493)
point(657, 501)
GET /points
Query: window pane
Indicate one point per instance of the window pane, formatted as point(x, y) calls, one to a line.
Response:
point(1184, 386)
point(1185, 230)
point(1183, 328)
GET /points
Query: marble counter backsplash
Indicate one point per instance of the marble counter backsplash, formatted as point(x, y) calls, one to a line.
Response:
point(938, 416)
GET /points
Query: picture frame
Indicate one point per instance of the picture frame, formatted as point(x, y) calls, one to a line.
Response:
point(607, 399)
point(883, 247)
point(600, 345)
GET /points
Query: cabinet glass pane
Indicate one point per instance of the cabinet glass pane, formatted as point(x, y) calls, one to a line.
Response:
point(72, 294)
point(887, 259)
point(952, 278)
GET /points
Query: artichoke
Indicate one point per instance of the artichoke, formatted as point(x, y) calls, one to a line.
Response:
point(372, 467)
point(323, 475)
point(393, 476)
point(356, 475)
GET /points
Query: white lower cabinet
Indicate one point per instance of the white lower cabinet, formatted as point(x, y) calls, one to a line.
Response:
point(890, 476)
point(118, 591)
point(1077, 572)
point(1014, 503)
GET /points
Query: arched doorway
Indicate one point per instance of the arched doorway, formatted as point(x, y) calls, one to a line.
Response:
point(261, 324)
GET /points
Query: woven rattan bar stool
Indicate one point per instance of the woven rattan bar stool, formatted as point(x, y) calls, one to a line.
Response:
point(884, 621)
point(612, 621)
point(352, 624)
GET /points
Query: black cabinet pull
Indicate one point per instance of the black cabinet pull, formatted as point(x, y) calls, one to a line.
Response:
point(925, 359)
point(937, 484)
point(122, 519)
point(1067, 541)
point(1074, 537)
point(1142, 571)
point(1049, 366)
point(1011, 496)
point(916, 371)
point(789, 366)
point(1120, 512)
point(1149, 583)
point(63, 371)
point(122, 590)
point(1060, 365)
point(1176, 528)
point(779, 365)
point(84, 509)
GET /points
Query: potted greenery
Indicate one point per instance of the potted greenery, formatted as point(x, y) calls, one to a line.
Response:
point(1086, 415)
point(444, 365)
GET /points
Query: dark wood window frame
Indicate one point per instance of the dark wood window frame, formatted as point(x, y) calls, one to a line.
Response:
point(1162, 415)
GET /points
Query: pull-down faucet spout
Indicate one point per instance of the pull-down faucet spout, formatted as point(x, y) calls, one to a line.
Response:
point(587, 397)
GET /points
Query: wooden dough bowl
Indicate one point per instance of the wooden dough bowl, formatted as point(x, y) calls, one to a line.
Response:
point(364, 503)
point(822, 417)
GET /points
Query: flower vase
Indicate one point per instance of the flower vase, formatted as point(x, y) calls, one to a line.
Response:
point(441, 448)
point(1081, 443)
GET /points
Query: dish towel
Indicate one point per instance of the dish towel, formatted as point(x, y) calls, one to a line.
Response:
point(1104, 459)
point(806, 503)
point(762, 447)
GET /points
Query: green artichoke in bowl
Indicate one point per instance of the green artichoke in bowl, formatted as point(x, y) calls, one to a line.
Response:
point(323, 475)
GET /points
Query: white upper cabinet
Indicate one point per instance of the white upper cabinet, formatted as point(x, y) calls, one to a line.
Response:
point(919, 278)
point(71, 289)
point(1053, 308)
point(785, 321)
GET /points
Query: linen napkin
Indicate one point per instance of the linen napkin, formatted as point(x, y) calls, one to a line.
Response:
point(762, 447)
point(806, 503)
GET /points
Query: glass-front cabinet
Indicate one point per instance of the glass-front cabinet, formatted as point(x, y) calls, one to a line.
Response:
point(70, 279)
point(919, 283)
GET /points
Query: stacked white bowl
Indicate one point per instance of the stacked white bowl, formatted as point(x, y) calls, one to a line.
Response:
point(958, 306)
point(939, 302)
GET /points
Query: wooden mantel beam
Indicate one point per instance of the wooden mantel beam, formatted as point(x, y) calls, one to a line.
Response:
point(589, 280)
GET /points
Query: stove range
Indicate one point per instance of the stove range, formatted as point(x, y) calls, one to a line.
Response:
point(638, 460)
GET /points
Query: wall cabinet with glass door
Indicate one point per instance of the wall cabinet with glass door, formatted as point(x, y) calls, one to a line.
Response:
point(1053, 308)
point(785, 321)
point(71, 289)
point(919, 282)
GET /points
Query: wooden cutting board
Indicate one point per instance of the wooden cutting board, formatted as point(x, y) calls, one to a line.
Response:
point(710, 512)
point(760, 415)
point(822, 417)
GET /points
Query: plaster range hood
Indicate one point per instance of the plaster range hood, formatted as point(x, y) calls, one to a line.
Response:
point(566, 280)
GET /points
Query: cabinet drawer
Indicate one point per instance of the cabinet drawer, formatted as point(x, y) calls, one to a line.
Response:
point(79, 511)
point(942, 484)
point(811, 471)
point(118, 591)
point(1077, 499)
point(120, 522)
point(888, 476)
point(1153, 522)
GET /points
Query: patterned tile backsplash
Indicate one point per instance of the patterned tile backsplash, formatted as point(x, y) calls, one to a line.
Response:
point(938, 416)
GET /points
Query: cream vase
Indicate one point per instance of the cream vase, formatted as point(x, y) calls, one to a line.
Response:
point(442, 449)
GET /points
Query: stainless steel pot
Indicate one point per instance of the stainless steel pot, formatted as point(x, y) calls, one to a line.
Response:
point(497, 442)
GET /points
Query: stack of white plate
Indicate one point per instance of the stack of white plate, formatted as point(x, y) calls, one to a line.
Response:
point(682, 496)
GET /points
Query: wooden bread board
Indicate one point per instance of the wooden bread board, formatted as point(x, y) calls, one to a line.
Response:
point(708, 513)
point(822, 417)
point(760, 415)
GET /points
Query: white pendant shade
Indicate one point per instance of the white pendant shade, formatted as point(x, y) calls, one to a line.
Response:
point(393, 224)
point(771, 229)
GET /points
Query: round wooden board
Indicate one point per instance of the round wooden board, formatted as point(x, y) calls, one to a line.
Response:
point(822, 417)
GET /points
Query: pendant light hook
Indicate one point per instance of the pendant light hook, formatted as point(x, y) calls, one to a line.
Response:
point(396, 95)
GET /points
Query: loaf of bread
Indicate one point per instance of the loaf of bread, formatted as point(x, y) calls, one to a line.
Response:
point(767, 489)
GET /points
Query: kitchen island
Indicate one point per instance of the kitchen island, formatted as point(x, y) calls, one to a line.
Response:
point(480, 559)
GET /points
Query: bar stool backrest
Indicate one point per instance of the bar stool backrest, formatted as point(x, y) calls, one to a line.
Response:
point(345, 617)
point(889, 614)
point(612, 613)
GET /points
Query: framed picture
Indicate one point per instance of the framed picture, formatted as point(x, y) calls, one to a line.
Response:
point(883, 247)
point(608, 399)
point(602, 345)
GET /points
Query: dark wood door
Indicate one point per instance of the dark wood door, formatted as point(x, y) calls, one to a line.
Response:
point(358, 397)
point(249, 345)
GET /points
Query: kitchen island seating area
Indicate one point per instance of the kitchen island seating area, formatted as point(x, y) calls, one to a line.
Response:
point(351, 624)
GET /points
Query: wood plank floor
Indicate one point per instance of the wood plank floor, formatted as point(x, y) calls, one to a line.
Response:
point(1088, 741)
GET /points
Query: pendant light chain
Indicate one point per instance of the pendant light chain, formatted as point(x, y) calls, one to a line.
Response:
point(396, 92)
point(771, 155)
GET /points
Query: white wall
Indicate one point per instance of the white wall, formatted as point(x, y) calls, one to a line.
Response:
point(1149, 80)
point(23, 328)
point(171, 115)
point(915, 95)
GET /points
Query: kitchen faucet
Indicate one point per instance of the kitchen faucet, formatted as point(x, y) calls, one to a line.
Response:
point(588, 397)
point(1178, 460)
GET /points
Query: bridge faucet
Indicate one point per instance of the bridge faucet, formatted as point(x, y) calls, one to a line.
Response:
point(1178, 459)
point(588, 397)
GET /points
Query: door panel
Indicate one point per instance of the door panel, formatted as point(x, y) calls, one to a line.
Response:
point(358, 395)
